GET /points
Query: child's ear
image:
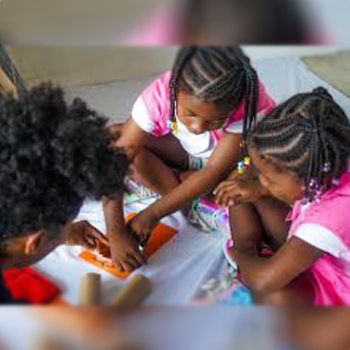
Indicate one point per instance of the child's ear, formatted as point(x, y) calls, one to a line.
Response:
point(33, 242)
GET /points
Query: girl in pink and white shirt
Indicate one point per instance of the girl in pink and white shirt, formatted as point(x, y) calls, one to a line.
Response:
point(192, 118)
point(301, 151)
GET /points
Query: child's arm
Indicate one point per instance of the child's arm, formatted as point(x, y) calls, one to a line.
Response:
point(269, 275)
point(129, 137)
point(125, 250)
point(204, 181)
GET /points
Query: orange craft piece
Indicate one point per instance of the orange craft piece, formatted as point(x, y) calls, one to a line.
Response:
point(59, 302)
point(159, 236)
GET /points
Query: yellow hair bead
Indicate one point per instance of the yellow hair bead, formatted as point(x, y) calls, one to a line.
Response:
point(247, 161)
point(172, 126)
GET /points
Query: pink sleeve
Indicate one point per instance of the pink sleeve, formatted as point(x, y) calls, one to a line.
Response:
point(152, 108)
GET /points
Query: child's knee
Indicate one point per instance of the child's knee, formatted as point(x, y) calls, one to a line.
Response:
point(280, 298)
point(291, 295)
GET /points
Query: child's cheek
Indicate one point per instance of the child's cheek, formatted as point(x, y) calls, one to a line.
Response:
point(264, 182)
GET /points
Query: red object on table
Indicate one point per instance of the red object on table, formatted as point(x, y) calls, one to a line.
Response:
point(29, 286)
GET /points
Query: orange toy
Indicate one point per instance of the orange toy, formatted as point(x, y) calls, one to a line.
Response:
point(159, 236)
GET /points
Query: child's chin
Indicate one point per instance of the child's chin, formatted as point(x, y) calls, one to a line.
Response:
point(284, 199)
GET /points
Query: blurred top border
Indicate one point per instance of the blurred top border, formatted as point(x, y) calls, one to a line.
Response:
point(170, 22)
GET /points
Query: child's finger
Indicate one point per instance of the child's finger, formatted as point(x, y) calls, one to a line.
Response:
point(235, 201)
point(90, 242)
point(96, 234)
point(128, 265)
point(133, 261)
point(119, 266)
point(231, 186)
point(221, 198)
point(229, 198)
point(226, 199)
point(142, 258)
point(221, 186)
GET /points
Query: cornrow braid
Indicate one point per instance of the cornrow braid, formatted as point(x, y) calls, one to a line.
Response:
point(309, 135)
point(223, 75)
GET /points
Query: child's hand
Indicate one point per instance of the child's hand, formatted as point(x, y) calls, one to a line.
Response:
point(142, 225)
point(125, 251)
point(83, 234)
point(236, 175)
point(233, 192)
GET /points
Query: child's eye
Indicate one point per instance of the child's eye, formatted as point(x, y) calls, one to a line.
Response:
point(217, 121)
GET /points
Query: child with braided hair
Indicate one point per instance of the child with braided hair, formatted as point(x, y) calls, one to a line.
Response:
point(192, 118)
point(301, 152)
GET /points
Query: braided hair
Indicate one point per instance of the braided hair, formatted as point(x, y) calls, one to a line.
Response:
point(223, 75)
point(309, 135)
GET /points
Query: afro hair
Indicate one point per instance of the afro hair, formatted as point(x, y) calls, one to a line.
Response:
point(53, 156)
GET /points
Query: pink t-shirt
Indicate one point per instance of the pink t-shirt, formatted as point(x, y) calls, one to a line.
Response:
point(152, 109)
point(326, 226)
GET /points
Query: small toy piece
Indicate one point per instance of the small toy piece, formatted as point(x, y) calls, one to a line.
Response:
point(133, 293)
point(47, 343)
point(90, 292)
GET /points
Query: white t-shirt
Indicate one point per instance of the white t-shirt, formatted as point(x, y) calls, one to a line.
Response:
point(152, 109)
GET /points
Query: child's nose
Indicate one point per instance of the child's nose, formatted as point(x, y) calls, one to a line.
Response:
point(198, 128)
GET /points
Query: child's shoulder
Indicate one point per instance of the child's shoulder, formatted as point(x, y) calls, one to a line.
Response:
point(157, 95)
point(159, 86)
point(331, 211)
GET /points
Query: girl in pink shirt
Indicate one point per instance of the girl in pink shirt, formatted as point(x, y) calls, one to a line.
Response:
point(301, 152)
point(192, 118)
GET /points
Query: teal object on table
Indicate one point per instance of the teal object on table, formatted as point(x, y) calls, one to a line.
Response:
point(239, 296)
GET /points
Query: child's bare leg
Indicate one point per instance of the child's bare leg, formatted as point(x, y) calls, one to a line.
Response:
point(169, 149)
point(272, 214)
point(300, 292)
point(151, 172)
point(183, 176)
point(154, 164)
point(246, 227)
point(265, 219)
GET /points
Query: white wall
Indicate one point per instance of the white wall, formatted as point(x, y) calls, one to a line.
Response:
point(74, 66)
point(260, 52)
point(78, 66)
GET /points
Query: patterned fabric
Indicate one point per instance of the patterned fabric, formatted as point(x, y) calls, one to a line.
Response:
point(209, 217)
point(138, 193)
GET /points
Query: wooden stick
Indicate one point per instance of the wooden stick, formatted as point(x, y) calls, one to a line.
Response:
point(6, 83)
point(47, 344)
point(90, 290)
point(133, 293)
